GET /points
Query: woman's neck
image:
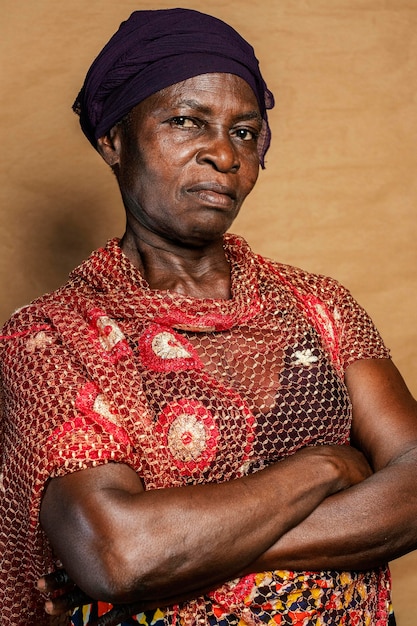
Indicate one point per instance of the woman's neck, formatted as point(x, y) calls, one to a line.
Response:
point(202, 272)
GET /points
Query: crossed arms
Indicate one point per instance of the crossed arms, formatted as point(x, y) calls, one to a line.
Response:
point(319, 509)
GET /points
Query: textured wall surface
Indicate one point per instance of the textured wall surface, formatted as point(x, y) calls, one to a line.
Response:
point(339, 192)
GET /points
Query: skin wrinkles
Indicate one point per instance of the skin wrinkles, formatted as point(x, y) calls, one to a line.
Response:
point(185, 162)
point(185, 165)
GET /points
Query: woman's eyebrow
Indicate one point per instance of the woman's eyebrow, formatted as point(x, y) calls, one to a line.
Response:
point(194, 104)
point(250, 115)
point(198, 106)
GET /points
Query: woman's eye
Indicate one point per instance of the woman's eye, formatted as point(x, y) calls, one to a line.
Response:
point(245, 134)
point(183, 122)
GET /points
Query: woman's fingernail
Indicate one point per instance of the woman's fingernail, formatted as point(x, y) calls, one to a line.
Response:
point(49, 607)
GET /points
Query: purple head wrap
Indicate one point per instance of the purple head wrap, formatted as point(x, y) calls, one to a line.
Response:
point(155, 49)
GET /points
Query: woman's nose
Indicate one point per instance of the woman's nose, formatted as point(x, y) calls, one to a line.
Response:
point(219, 151)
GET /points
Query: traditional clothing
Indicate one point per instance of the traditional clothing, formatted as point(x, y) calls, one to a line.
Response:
point(184, 391)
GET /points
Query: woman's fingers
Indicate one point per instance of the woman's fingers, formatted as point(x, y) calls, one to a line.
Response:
point(56, 581)
point(65, 596)
point(67, 601)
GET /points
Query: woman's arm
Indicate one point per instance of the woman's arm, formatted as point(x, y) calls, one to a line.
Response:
point(120, 543)
point(373, 521)
point(376, 520)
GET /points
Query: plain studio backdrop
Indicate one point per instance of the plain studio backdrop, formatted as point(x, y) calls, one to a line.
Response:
point(339, 193)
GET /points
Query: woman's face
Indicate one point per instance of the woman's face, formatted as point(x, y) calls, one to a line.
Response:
point(188, 158)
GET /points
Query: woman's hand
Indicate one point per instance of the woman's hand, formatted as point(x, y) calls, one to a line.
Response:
point(351, 465)
point(63, 594)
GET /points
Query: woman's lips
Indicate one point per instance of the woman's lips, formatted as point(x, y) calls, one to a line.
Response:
point(214, 194)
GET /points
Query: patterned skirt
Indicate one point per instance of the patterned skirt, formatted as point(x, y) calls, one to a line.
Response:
point(279, 598)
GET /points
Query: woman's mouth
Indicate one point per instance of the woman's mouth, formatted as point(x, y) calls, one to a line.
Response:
point(214, 194)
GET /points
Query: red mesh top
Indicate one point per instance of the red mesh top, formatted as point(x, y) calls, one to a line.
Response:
point(106, 369)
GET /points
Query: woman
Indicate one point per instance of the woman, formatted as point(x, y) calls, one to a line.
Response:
point(176, 413)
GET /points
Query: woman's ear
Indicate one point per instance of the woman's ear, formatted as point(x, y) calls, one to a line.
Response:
point(109, 146)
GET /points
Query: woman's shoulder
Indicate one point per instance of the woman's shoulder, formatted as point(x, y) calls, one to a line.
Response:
point(67, 297)
point(303, 281)
point(34, 317)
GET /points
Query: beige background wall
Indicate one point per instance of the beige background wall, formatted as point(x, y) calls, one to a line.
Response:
point(339, 192)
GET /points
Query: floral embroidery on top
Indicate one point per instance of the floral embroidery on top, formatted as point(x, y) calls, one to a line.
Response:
point(75, 440)
point(107, 334)
point(165, 346)
point(39, 341)
point(304, 357)
point(93, 404)
point(323, 321)
point(319, 317)
point(164, 350)
point(189, 433)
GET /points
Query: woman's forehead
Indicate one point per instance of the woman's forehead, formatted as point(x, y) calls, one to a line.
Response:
point(205, 90)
